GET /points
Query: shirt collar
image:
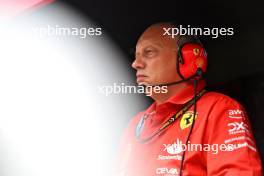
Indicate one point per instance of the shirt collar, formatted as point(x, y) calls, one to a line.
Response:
point(186, 94)
point(178, 99)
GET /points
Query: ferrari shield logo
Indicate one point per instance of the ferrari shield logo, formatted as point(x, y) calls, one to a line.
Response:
point(187, 119)
point(196, 51)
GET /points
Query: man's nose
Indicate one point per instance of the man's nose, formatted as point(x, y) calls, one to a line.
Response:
point(138, 63)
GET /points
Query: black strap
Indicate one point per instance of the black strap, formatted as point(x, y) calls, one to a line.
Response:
point(165, 125)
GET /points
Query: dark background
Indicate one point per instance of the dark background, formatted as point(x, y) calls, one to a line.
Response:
point(236, 64)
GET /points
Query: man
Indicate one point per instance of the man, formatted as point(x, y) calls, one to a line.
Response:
point(186, 131)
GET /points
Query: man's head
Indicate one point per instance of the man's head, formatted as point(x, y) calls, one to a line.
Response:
point(155, 57)
point(160, 61)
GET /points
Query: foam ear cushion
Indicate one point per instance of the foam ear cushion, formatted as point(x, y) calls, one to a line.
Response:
point(194, 57)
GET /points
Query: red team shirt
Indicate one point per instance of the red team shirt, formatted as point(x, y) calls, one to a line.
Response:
point(221, 142)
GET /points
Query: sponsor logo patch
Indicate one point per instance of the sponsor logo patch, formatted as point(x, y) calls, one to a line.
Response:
point(236, 114)
point(237, 127)
point(187, 119)
point(166, 171)
point(172, 151)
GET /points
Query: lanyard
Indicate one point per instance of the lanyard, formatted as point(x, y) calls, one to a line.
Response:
point(166, 124)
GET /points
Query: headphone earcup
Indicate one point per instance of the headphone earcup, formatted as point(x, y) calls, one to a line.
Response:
point(194, 58)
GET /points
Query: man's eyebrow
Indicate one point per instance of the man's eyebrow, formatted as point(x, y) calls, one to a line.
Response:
point(154, 44)
point(157, 44)
point(147, 46)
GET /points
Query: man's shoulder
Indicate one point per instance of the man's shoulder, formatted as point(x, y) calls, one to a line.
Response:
point(217, 98)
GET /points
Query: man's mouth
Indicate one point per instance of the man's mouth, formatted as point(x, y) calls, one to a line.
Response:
point(140, 77)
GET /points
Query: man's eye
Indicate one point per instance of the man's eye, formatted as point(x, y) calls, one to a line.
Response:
point(150, 52)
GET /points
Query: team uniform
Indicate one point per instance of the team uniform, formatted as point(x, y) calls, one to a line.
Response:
point(221, 141)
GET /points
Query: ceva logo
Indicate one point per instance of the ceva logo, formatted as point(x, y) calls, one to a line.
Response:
point(167, 171)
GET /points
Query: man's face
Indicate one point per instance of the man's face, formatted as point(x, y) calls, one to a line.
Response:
point(155, 58)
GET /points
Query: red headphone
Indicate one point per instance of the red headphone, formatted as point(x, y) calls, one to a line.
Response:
point(192, 59)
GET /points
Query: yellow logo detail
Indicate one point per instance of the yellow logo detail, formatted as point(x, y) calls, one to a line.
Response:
point(187, 119)
point(196, 51)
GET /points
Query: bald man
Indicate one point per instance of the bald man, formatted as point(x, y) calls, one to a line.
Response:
point(163, 140)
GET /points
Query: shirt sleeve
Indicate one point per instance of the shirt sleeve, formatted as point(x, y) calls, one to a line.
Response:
point(229, 130)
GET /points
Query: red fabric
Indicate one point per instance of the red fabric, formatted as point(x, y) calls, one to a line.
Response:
point(220, 120)
point(194, 57)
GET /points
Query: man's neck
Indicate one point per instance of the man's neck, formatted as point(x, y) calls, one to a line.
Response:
point(172, 90)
